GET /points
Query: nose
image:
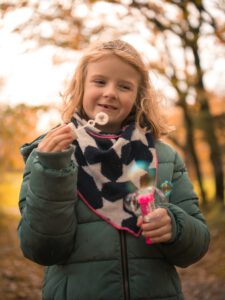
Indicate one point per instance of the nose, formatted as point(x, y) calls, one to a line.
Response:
point(110, 91)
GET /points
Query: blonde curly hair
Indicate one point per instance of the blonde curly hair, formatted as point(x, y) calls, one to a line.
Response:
point(146, 111)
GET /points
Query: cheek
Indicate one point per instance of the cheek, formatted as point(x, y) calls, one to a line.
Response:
point(90, 95)
point(84, 104)
point(86, 99)
point(129, 108)
point(130, 103)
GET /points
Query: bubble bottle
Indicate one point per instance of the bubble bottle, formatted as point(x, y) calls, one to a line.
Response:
point(148, 197)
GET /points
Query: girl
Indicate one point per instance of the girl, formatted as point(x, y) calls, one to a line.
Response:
point(72, 197)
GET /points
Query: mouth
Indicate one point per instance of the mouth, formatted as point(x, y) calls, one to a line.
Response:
point(107, 106)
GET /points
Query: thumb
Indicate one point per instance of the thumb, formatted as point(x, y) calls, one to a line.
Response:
point(139, 221)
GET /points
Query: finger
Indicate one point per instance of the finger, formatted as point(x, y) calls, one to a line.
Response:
point(156, 219)
point(152, 225)
point(158, 213)
point(47, 144)
point(163, 239)
point(51, 143)
point(63, 145)
point(157, 233)
point(54, 132)
point(58, 130)
point(59, 143)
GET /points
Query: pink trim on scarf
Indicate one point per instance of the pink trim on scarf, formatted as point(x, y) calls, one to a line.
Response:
point(107, 136)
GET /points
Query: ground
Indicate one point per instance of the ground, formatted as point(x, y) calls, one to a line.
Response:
point(21, 279)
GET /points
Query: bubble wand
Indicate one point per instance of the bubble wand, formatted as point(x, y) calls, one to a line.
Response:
point(101, 118)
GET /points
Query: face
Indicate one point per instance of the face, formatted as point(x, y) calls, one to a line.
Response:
point(111, 86)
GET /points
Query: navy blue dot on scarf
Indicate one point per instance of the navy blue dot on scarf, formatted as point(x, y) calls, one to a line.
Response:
point(137, 151)
point(104, 144)
point(111, 166)
point(113, 191)
point(88, 189)
point(79, 156)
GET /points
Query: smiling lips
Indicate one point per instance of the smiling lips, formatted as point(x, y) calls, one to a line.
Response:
point(107, 106)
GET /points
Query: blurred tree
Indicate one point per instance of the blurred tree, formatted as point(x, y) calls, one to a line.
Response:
point(189, 37)
point(185, 22)
point(18, 125)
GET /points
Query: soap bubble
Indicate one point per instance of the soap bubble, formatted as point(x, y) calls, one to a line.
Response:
point(131, 204)
point(166, 187)
point(141, 175)
point(142, 181)
point(160, 198)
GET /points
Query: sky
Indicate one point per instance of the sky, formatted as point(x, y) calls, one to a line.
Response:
point(32, 77)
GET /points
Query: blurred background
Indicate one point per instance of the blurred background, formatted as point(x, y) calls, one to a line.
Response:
point(183, 45)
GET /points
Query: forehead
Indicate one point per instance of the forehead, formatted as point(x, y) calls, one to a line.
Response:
point(113, 66)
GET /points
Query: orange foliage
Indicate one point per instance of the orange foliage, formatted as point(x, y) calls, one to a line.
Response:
point(18, 125)
point(175, 117)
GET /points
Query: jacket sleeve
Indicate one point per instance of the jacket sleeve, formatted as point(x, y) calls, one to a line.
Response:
point(190, 232)
point(47, 205)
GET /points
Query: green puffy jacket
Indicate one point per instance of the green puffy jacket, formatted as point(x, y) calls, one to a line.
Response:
point(88, 259)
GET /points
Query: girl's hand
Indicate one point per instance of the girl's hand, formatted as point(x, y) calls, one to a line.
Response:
point(159, 228)
point(57, 139)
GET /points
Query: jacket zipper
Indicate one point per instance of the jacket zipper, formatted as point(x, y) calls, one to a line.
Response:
point(124, 262)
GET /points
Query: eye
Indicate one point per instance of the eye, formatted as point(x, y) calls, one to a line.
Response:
point(125, 87)
point(99, 81)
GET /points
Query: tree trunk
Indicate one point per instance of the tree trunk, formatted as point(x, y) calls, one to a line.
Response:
point(215, 153)
point(208, 128)
point(191, 146)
